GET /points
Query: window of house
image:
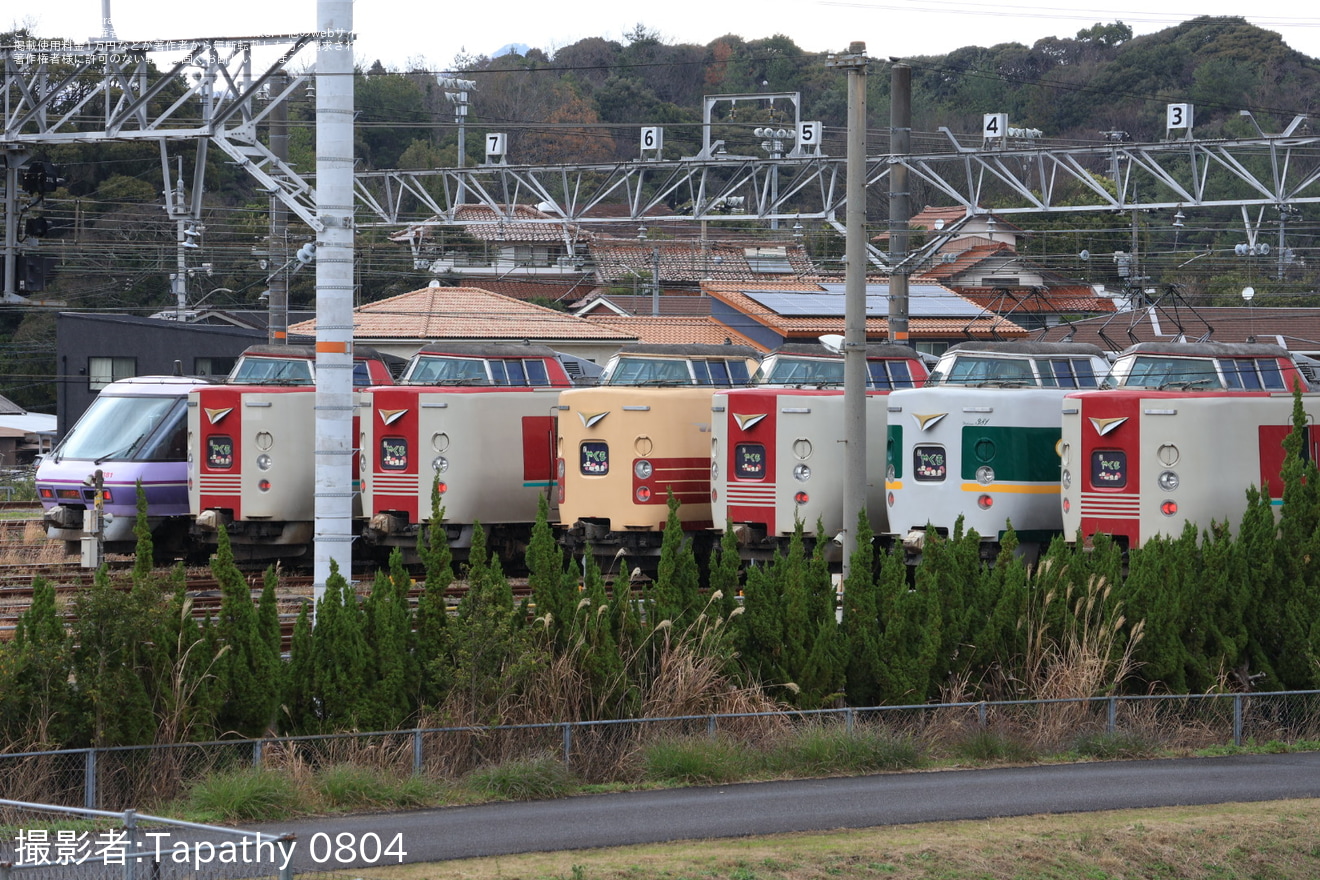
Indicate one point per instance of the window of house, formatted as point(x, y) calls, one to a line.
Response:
point(101, 371)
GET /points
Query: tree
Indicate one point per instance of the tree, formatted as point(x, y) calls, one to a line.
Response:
point(248, 670)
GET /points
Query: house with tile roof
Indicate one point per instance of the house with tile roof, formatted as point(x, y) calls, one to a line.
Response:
point(772, 313)
point(980, 261)
point(402, 324)
point(1296, 329)
point(674, 329)
point(537, 255)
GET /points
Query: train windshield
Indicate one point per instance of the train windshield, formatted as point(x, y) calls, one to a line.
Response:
point(781, 370)
point(1147, 371)
point(272, 371)
point(985, 370)
point(446, 371)
point(1055, 372)
point(650, 371)
point(129, 429)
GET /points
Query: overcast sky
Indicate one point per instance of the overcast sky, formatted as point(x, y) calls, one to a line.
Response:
point(407, 32)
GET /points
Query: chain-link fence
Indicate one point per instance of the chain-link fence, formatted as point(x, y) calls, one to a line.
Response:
point(121, 778)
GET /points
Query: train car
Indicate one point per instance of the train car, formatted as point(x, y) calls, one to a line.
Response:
point(1183, 432)
point(253, 470)
point(777, 455)
point(981, 441)
point(475, 420)
point(643, 432)
point(135, 430)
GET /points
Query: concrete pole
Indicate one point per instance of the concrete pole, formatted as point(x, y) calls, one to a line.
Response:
point(277, 251)
point(333, 528)
point(857, 66)
point(900, 200)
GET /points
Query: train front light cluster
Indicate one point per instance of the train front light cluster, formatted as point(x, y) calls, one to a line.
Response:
point(643, 469)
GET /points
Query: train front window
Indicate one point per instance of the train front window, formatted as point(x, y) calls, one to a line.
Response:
point(890, 375)
point(127, 429)
point(272, 371)
point(983, 370)
point(446, 371)
point(1165, 372)
point(800, 371)
point(1069, 373)
point(650, 371)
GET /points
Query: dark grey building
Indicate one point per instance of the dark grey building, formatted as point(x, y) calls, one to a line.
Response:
point(93, 350)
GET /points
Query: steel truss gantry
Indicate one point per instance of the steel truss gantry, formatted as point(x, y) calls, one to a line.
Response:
point(213, 89)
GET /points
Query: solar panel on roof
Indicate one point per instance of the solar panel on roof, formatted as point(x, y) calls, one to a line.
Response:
point(924, 301)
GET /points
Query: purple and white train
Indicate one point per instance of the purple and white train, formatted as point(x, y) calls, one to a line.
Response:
point(135, 431)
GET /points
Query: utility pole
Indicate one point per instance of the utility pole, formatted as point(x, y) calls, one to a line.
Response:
point(277, 320)
point(333, 527)
point(857, 66)
point(900, 200)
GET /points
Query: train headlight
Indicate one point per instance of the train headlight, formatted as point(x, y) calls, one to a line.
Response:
point(642, 468)
point(985, 502)
point(985, 475)
point(441, 487)
point(1067, 505)
point(714, 470)
point(801, 497)
point(561, 468)
point(1168, 481)
point(1169, 508)
point(263, 462)
point(1066, 478)
point(440, 464)
point(801, 473)
point(643, 494)
point(890, 472)
point(264, 485)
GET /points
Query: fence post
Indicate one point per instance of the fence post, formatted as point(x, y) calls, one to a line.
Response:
point(256, 754)
point(980, 714)
point(130, 826)
point(710, 727)
point(89, 779)
point(417, 752)
point(1237, 719)
point(568, 744)
point(1111, 723)
point(848, 722)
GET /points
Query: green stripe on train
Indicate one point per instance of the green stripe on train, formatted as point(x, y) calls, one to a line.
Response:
point(1020, 455)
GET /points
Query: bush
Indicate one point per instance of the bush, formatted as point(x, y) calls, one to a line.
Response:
point(530, 779)
point(1111, 746)
point(695, 761)
point(988, 745)
point(352, 787)
point(246, 794)
point(833, 749)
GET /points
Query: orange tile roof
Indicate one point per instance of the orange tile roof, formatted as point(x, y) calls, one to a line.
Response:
point(965, 260)
point(465, 313)
point(673, 329)
point(1049, 300)
point(621, 260)
point(986, 324)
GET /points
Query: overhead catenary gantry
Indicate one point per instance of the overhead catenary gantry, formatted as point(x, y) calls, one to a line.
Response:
point(217, 89)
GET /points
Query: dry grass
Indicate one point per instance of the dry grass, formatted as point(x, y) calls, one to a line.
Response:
point(1273, 840)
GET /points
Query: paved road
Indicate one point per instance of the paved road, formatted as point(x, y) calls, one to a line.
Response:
point(808, 805)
